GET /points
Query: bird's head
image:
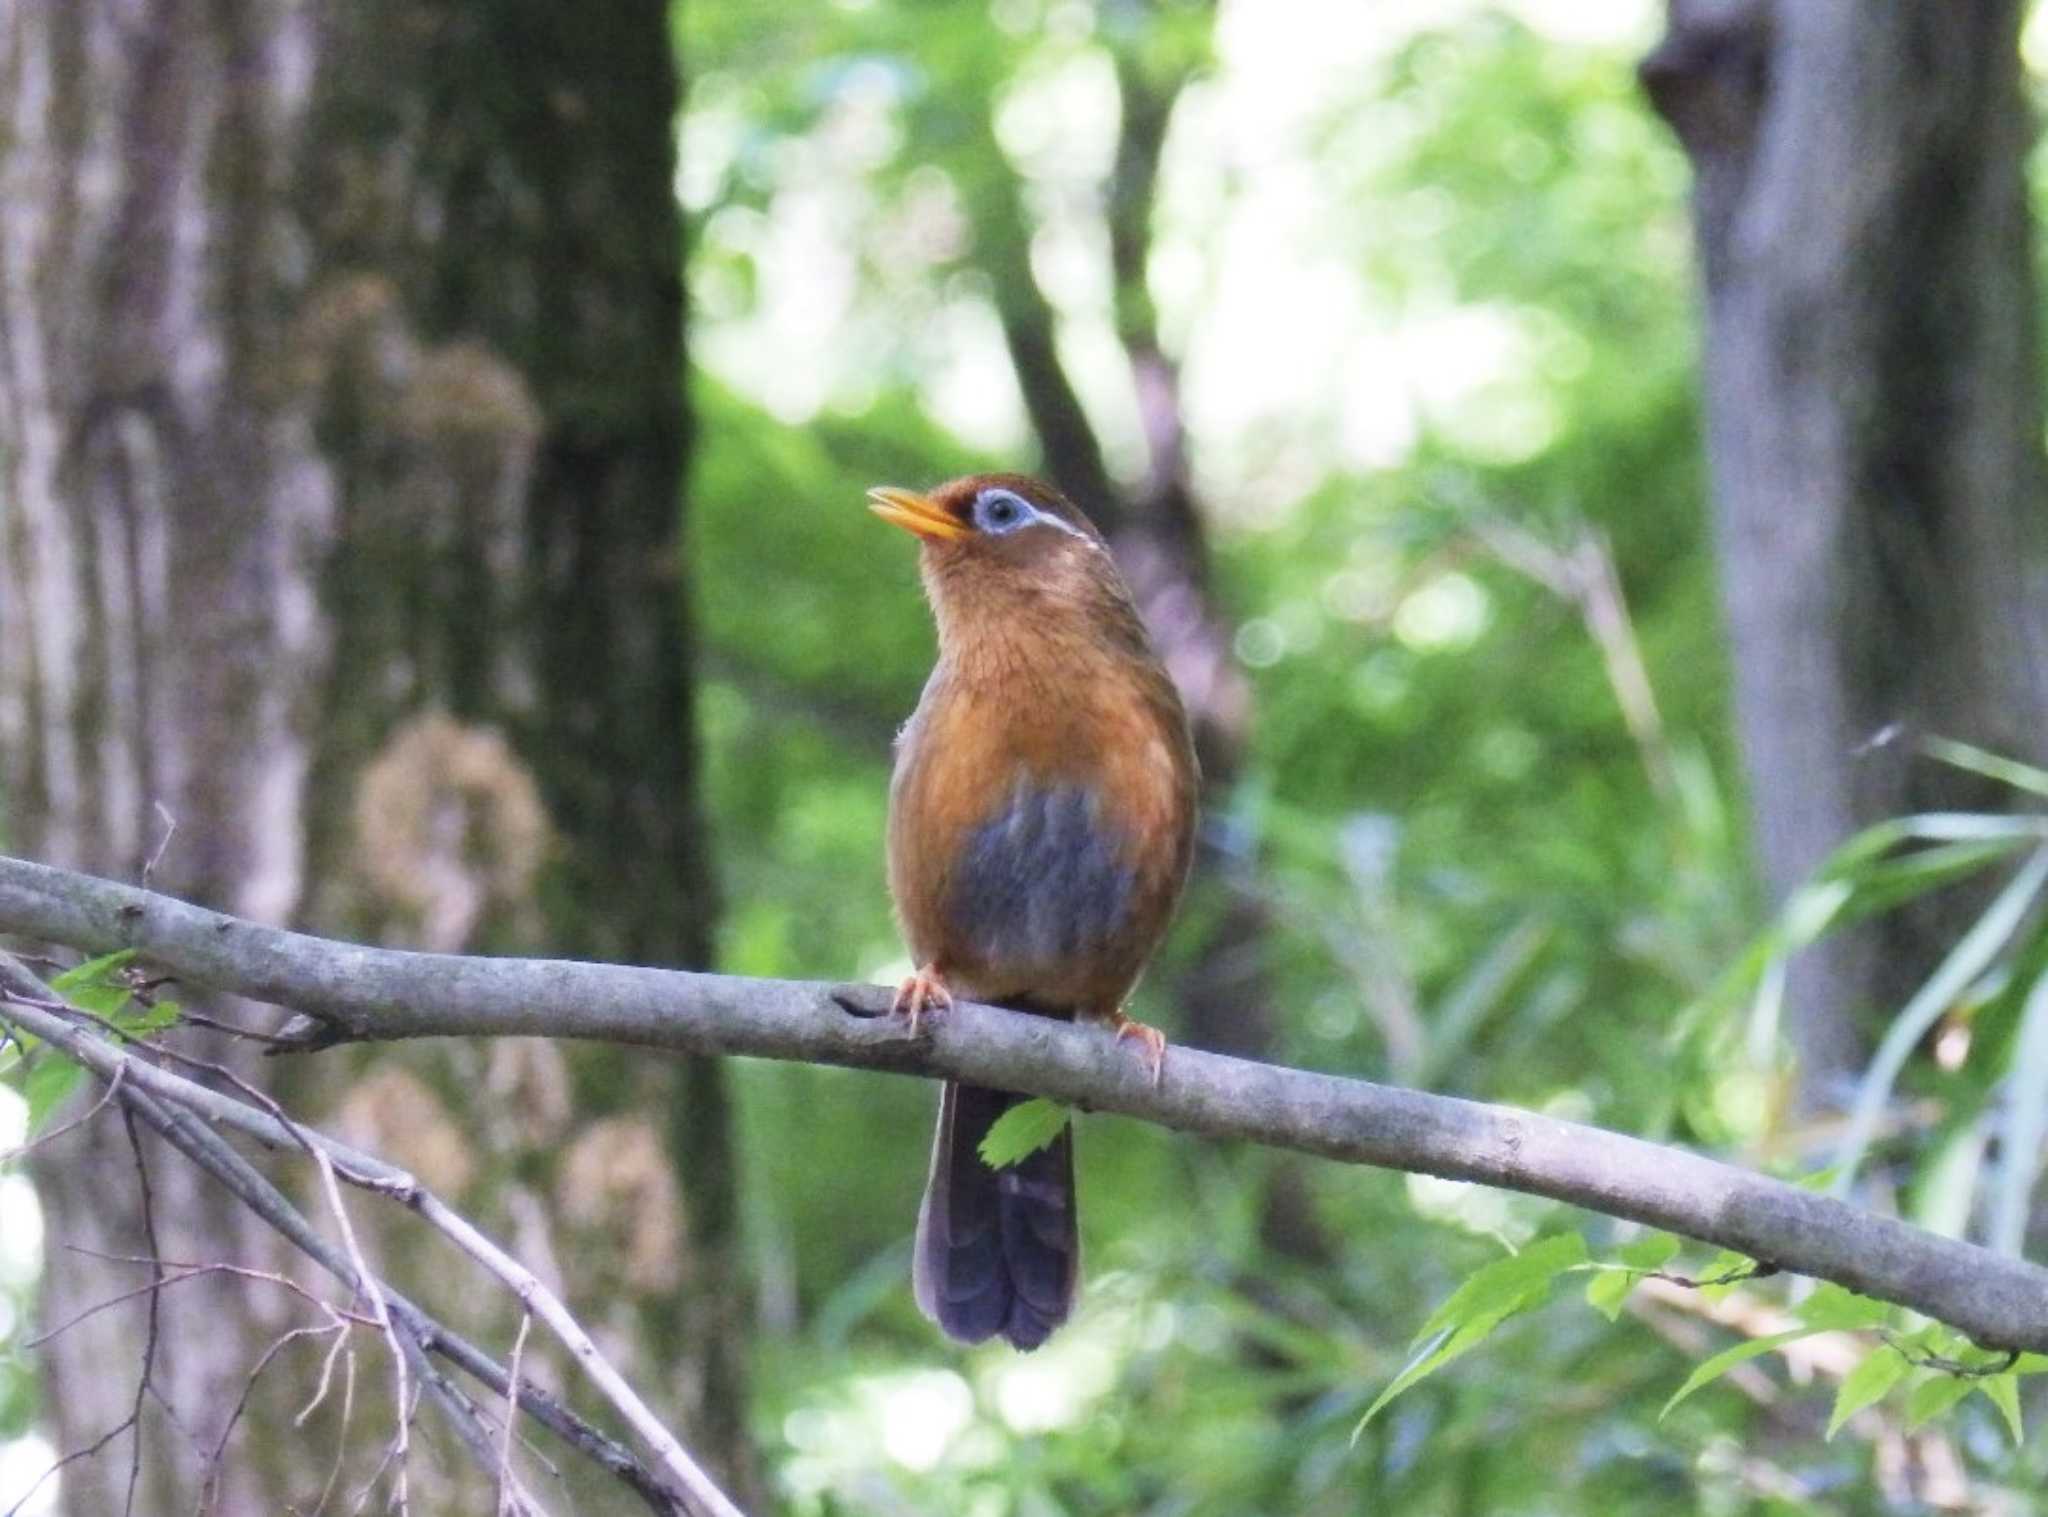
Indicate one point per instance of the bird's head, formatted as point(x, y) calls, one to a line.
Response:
point(995, 544)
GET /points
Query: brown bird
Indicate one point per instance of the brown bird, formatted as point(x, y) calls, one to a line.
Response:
point(1041, 820)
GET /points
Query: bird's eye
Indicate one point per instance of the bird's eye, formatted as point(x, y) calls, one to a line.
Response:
point(998, 511)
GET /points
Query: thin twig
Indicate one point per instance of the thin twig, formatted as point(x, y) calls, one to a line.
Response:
point(148, 1082)
point(209, 1485)
point(370, 1288)
point(505, 1481)
point(163, 843)
point(154, 1251)
point(348, 1408)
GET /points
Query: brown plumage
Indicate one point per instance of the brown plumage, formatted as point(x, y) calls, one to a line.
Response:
point(1041, 820)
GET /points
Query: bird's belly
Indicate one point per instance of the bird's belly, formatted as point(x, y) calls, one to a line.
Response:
point(1041, 890)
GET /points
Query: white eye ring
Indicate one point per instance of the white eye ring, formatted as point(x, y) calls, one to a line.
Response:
point(999, 511)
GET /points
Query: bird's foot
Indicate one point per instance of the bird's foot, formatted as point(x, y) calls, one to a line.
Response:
point(922, 992)
point(1151, 1039)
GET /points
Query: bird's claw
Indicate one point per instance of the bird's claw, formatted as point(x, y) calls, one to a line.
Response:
point(1151, 1040)
point(922, 992)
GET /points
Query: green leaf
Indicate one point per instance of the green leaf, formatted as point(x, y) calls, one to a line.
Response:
point(1506, 1283)
point(1934, 1396)
point(1022, 1131)
point(2026, 1122)
point(1963, 964)
point(1493, 1294)
point(1812, 908)
point(2004, 1393)
point(1881, 1369)
point(1991, 765)
point(1713, 1369)
point(1608, 1289)
point(144, 1020)
point(1728, 1268)
point(1833, 1308)
point(96, 985)
point(50, 1080)
point(99, 971)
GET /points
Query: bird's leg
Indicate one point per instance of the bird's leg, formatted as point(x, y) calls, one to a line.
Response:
point(1152, 1040)
point(924, 991)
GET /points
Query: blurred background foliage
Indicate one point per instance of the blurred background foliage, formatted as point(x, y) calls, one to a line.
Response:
point(1426, 270)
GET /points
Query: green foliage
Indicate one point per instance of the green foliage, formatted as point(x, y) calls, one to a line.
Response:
point(1480, 876)
point(1611, 1285)
point(102, 987)
point(1714, 1367)
point(1022, 1131)
point(1486, 1300)
point(1872, 1379)
point(44, 1080)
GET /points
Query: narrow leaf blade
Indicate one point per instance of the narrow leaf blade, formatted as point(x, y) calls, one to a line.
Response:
point(2003, 1392)
point(1608, 1289)
point(1933, 1397)
point(1505, 1283)
point(1872, 1379)
point(1713, 1369)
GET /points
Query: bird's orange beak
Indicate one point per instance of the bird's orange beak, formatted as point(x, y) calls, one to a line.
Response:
point(915, 513)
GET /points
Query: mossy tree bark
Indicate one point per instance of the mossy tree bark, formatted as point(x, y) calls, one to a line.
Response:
point(1874, 431)
point(340, 408)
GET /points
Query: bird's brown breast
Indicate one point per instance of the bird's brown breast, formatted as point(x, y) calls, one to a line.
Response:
point(1041, 821)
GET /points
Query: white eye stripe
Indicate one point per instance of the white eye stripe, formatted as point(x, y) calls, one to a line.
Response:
point(989, 499)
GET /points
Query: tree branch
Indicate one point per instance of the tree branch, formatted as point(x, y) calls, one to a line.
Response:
point(353, 992)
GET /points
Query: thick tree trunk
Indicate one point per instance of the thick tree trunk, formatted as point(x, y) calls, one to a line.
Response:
point(157, 527)
point(1873, 429)
point(341, 415)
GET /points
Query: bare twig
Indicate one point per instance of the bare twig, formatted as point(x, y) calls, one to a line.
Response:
point(148, 1083)
point(154, 1252)
point(354, 992)
point(163, 843)
point(506, 1484)
point(348, 1407)
point(368, 1286)
point(209, 1484)
point(534, 1295)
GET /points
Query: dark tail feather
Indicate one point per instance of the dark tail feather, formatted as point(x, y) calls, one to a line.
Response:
point(998, 1250)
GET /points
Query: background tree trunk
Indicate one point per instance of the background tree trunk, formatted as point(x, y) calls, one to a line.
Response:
point(1156, 530)
point(1874, 422)
point(341, 413)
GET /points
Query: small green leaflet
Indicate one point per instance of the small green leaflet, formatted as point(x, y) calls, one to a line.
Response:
point(99, 986)
point(1489, 1297)
point(1934, 1396)
point(50, 1080)
point(96, 985)
point(1881, 1369)
point(1022, 1131)
point(2004, 1393)
point(1610, 1287)
point(1724, 1274)
point(1834, 1308)
point(1714, 1368)
point(144, 1020)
